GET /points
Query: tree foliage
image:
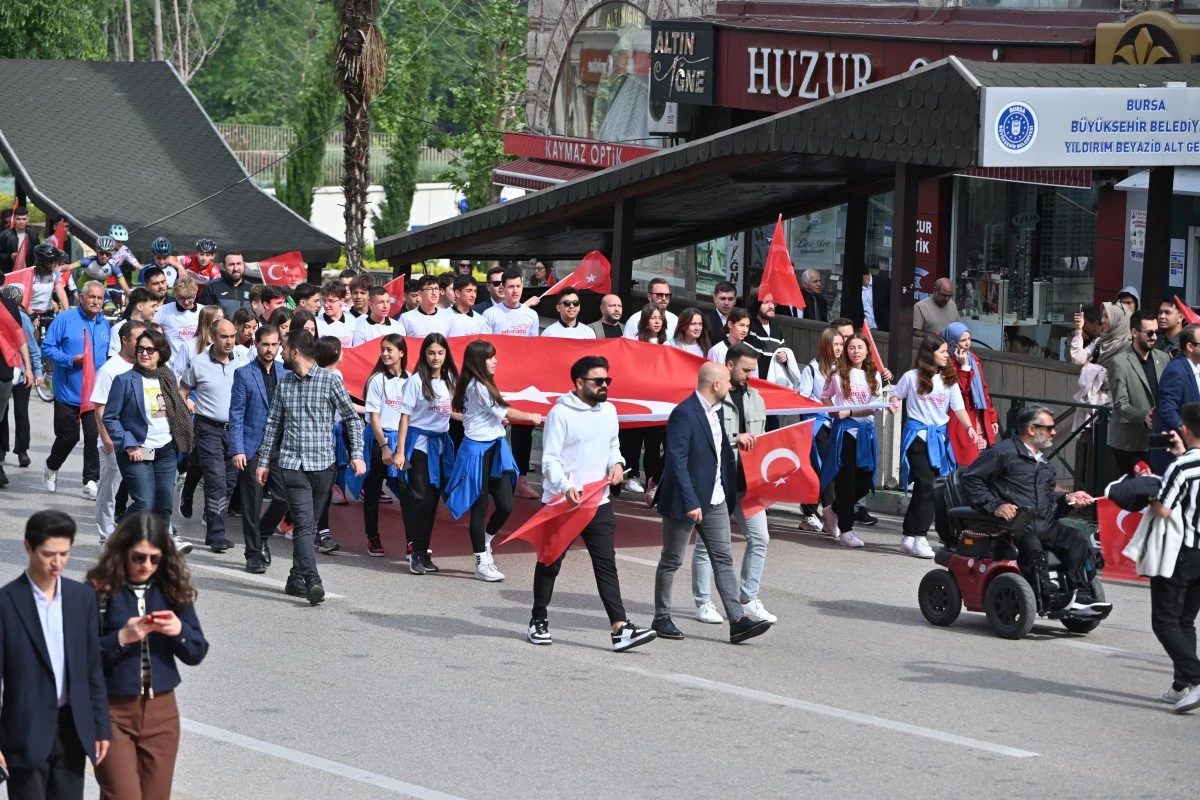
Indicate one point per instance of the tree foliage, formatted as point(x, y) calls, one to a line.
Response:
point(319, 103)
point(51, 29)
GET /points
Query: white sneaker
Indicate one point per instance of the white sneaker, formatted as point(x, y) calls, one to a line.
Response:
point(906, 545)
point(921, 548)
point(181, 545)
point(756, 611)
point(830, 521)
point(524, 490)
point(485, 569)
point(811, 523)
point(633, 485)
point(104, 538)
point(91, 490)
point(1173, 695)
point(848, 539)
point(50, 479)
point(707, 612)
point(1190, 701)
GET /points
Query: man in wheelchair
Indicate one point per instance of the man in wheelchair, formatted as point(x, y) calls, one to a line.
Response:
point(1014, 475)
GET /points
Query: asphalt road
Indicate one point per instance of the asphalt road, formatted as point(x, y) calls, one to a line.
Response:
point(402, 685)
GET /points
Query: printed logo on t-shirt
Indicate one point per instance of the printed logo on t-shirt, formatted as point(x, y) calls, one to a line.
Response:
point(158, 409)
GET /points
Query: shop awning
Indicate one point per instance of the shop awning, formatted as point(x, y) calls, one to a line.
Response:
point(1187, 181)
point(525, 173)
point(1067, 178)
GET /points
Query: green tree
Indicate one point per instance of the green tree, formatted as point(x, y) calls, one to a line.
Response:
point(51, 29)
point(318, 107)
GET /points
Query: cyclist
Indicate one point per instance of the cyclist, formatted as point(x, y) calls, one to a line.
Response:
point(47, 295)
point(201, 266)
point(123, 261)
point(100, 267)
point(161, 248)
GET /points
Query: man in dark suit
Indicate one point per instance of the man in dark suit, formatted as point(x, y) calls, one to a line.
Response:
point(699, 485)
point(724, 298)
point(55, 704)
point(815, 305)
point(249, 404)
point(1177, 387)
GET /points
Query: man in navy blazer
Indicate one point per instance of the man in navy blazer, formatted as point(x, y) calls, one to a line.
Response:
point(1177, 386)
point(699, 484)
point(249, 404)
point(54, 711)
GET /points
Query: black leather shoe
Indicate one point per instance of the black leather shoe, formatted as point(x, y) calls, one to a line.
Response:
point(316, 592)
point(665, 628)
point(296, 586)
point(23, 460)
point(255, 565)
point(266, 554)
point(745, 628)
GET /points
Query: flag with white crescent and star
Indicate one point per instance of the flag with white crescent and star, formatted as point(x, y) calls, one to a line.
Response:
point(556, 524)
point(285, 269)
point(778, 469)
point(594, 273)
point(1117, 527)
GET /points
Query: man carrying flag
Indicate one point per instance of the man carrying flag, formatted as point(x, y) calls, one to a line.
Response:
point(580, 447)
point(17, 243)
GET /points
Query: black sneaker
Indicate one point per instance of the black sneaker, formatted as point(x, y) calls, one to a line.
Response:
point(539, 632)
point(185, 506)
point(415, 565)
point(375, 547)
point(427, 560)
point(1059, 602)
point(255, 565)
point(295, 586)
point(861, 517)
point(3, 478)
point(326, 544)
point(745, 628)
point(631, 636)
point(23, 460)
point(316, 592)
point(220, 546)
point(665, 628)
point(1087, 606)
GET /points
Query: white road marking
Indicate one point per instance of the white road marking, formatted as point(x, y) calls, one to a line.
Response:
point(316, 762)
point(1115, 651)
point(246, 576)
point(635, 560)
point(837, 713)
point(636, 516)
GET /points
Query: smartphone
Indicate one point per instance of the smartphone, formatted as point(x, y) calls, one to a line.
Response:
point(159, 616)
point(147, 453)
point(1159, 441)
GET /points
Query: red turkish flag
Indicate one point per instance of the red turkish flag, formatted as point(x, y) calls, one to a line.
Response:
point(866, 334)
point(1117, 527)
point(12, 220)
point(59, 237)
point(1189, 316)
point(286, 269)
point(24, 277)
point(12, 336)
point(89, 377)
point(779, 284)
point(552, 529)
point(649, 380)
point(395, 288)
point(594, 273)
point(778, 469)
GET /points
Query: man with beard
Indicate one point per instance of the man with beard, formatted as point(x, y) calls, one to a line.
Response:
point(659, 294)
point(580, 447)
point(765, 337)
point(609, 325)
point(229, 291)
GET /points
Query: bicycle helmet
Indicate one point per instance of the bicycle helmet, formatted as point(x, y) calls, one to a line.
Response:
point(12, 291)
point(106, 243)
point(48, 252)
point(119, 232)
point(161, 246)
point(206, 246)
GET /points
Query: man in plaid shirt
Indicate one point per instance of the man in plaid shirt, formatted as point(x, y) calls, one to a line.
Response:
point(302, 412)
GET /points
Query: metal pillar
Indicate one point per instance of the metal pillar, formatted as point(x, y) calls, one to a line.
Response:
point(622, 246)
point(904, 268)
point(854, 263)
point(1158, 233)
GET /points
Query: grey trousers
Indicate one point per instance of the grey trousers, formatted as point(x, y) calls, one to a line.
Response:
point(714, 532)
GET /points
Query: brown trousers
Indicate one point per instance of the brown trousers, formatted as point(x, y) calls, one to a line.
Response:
point(141, 759)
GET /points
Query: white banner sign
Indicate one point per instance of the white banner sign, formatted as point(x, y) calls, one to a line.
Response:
point(1089, 128)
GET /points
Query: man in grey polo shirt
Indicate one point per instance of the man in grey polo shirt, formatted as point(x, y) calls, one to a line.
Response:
point(210, 377)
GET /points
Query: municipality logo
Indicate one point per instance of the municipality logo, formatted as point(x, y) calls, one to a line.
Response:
point(1016, 127)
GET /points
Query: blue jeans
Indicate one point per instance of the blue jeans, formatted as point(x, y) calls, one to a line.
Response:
point(150, 483)
point(755, 530)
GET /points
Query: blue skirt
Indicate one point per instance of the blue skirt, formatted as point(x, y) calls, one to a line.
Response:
point(866, 447)
point(439, 447)
point(465, 483)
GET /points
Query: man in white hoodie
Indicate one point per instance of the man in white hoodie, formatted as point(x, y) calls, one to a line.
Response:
point(579, 446)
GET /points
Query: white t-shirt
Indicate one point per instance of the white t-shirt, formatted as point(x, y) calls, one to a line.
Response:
point(472, 324)
point(576, 331)
point(384, 394)
point(631, 325)
point(429, 415)
point(159, 432)
point(367, 331)
point(505, 321)
point(717, 352)
point(693, 348)
point(929, 409)
point(178, 326)
point(482, 418)
point(812, 383)
point(342, 328)
point(43, 290)
point(419, 324)
point(105, 376)
point(859, 393)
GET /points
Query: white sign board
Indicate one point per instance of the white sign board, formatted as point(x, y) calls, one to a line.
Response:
point(1089, 128)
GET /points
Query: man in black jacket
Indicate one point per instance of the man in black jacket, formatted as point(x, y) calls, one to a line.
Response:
point(17, 243)
point(1014, 475)
point(815, 306)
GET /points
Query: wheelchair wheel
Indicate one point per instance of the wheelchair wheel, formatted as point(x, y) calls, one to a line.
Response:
point(1010, 605)
point(940, 599)
point(1086, 625)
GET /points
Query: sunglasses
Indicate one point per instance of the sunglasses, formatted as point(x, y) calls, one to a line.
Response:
point(660, 294)
point(1044, 427)
point(495, 283)
point(600, 381)
point(142, 558)
point(1150, 334)
point(147, 350)
point(570, 303)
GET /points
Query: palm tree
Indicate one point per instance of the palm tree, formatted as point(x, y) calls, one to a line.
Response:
point(360, 68)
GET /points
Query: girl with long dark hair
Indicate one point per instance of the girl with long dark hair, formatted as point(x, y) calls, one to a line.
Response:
point(652, 326)
point(425, 436)
point(484, 465)
point(852, 450)
point(813, 378)
point(930, 391)
point(147, 622)
point(383, 392)
point(691, 333)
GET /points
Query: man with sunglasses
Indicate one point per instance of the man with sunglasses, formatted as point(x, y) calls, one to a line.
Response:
point(428, 317)
point(580, 447)
point(495, 287)
point(659, 294)
point(568, 326)
point(1016, 474)
point(1133, 376)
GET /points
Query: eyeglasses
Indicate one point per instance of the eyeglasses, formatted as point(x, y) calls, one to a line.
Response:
point(433, 288)
point(569, 303)
point(142, 558)
point(660, 294)
point(600, 381)
point(147, 350)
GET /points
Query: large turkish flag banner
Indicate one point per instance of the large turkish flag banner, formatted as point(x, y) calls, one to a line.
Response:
point(1117, 527)
point(649, 380)
point(778, 469)
point(286, 269)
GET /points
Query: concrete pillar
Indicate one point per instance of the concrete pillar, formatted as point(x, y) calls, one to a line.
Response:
point(904, 268)
point(1158, 233)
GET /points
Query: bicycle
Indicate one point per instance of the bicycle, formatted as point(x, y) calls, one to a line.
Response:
point(41, 321)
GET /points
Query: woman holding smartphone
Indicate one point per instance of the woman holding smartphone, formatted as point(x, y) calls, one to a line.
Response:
point(147, 622)
point(484, 465)
point(976, 399)
point(149, 423)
